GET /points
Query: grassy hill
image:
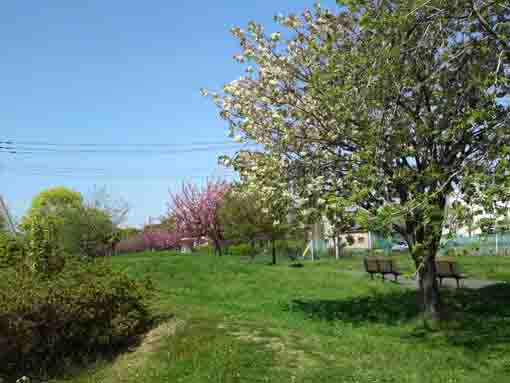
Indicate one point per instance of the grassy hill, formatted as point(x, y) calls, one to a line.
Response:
point(229, 320)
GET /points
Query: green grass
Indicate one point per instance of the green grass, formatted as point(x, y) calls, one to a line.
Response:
point(240, 321)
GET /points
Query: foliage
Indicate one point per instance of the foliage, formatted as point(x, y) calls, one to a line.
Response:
point(388, 108)
point(487, 225)
point(245, 218)
point(78, 226)
point(51, 201)
point(12, 250)
point(195, 210)
point(44, 250)
point(460, 215)
point(84, 309)
point(503, 225)
point(88, 231)
point(241, 250)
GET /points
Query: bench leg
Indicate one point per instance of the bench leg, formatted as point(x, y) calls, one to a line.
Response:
point(440, 281)
point(382, 275)
point(372, 276)
point(458, 282)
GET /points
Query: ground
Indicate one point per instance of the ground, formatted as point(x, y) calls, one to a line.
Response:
point(230, 320)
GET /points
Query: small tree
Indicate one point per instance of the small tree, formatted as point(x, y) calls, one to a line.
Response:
point(79, 226)
point(195, 210)
point(45, 254)
point(487, 225)
point(459, 215)
point(51, 207)
point(245, 216)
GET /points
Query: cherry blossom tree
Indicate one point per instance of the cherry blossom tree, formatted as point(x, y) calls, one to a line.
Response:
point(196, 211)
point(160, 239)
point(384, 106)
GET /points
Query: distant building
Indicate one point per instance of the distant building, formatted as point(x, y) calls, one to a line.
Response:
point(6, 218)
point(354, 239)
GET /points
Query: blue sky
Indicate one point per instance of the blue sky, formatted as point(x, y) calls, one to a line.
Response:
point(120, 73)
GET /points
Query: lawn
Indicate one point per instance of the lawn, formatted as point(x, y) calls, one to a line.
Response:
point(230, 320)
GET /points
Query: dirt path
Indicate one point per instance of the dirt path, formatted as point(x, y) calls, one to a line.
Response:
point(473, 284)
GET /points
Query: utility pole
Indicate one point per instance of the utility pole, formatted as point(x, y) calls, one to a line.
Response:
point(4, 212)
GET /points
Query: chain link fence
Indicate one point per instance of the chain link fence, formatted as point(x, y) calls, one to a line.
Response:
point(488, 244)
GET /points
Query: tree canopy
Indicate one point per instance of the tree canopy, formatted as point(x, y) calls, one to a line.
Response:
point(195, 211)
point(386, 106)
point(245, 218)
point(79, 226)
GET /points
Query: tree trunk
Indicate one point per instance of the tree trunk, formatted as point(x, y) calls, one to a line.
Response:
point(429, 288)
point(218, 249)
point(273, 251)
point(425, 245)
point(252, 244)
point(337, 249)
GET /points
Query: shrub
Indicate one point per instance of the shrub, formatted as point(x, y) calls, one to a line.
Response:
point(12, 250)
point(243, 250)
point(44, 250)
point(83, 310)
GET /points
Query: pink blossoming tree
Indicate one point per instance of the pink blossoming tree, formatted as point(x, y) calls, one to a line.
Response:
point(196, 211)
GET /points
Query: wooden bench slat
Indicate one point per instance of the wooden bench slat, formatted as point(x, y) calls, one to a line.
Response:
point(448, 269)
point(381, 266)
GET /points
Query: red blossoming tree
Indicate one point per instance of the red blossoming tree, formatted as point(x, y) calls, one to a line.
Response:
point(196, 209)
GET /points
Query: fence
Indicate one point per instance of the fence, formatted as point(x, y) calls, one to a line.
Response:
point(489, 244)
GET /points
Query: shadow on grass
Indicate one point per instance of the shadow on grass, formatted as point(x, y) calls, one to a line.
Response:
point(472, 318)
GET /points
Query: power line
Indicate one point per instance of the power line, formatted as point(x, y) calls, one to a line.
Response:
point(25, 150)
point(18, 149)
point(36, 173)
point(115, 144)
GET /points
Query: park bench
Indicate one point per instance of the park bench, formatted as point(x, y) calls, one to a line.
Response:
point(448, 269)
point(383, 266)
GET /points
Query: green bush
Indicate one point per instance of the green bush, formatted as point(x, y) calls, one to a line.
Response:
point(243, 250)
point(83, 310)
point(44, 250)
point(12, 250)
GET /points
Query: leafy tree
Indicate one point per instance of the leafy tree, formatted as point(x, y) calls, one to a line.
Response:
point(245, 218)
point(459, 215)
point(503, 225)
point(44, 248)
point(88, 231)
point(487, 225)
point(195, 210)
point(53, 200)
point(51, 206)
point(387, 106)
point(78, 226)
